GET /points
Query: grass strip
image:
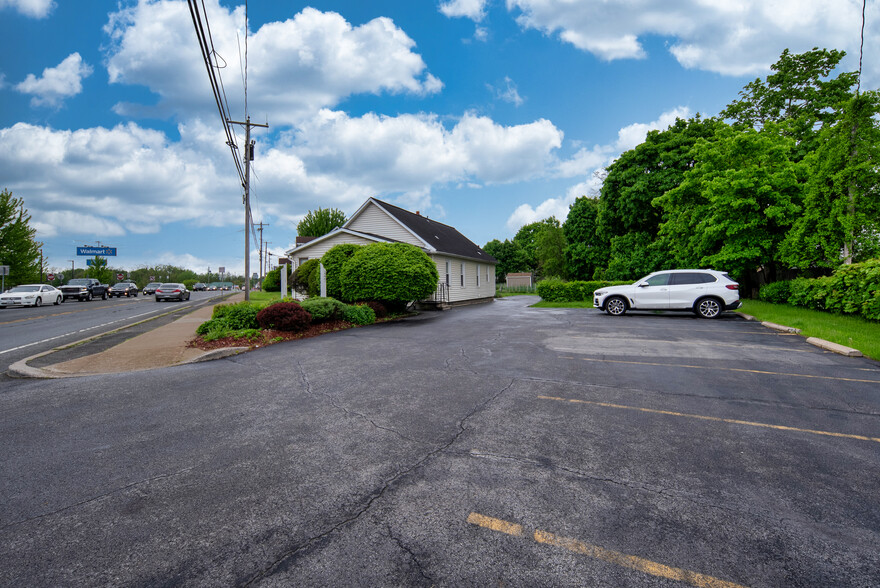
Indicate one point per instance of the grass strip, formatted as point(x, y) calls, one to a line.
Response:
point(850, 331)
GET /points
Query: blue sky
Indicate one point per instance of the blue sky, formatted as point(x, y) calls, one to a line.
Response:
point(483, 114)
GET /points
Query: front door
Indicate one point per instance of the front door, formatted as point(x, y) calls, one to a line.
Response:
point(652, 292)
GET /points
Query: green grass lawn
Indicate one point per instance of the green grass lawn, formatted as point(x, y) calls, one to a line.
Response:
point(851, 331)
point(263, 297)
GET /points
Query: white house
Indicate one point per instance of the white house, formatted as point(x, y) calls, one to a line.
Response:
point(467, 273)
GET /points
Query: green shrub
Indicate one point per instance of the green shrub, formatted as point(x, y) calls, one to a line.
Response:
point(306, 277)
point(359, 314)
point(241, 315)
point(775, 292)
point(284, 316)
point(272, 280)
point(333, 262)
point(210, 325)
point(554, 290)
point(389, 272)
point(324, 309)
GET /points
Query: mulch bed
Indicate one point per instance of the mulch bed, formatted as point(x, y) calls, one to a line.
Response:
point(270, 337)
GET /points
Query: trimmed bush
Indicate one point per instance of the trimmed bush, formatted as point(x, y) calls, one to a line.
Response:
point(210, 325)
point(323, 309)
point(284, 316)
point(359, 314)
point(775, 292)
point(378, 308)
point(555, 290)
point(272, 280)
point(390, 272)
point(333, 262)
point(306, 276)
point(241, 315)
point(851, 289)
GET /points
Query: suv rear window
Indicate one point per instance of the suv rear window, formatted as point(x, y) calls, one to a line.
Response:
point(681, 279)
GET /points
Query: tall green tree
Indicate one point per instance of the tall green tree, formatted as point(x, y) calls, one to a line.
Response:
point(100, 271)
point(317, 223)
point(18, 248)
point(584, 250)
point(550, 250)
point(511, 258)
point(526, 238)
point(841, 212)
point(734, 208)
point(799, 90)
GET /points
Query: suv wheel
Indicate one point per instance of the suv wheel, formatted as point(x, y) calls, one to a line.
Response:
point(615, 306)
point(708, 308)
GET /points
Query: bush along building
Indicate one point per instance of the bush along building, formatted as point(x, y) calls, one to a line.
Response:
point(467, 273)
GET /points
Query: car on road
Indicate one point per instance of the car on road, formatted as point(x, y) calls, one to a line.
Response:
point(150, 288)
point(124, 289)
point(84, 289)
point(172, 291)
point(706, 293)
point(199, 287)
point(31, 295)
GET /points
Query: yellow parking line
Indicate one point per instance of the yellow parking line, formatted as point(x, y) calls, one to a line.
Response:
point(607, 555)
point(714, 419)
point(728, 369)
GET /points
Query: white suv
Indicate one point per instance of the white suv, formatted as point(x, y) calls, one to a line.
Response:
point(707, 293)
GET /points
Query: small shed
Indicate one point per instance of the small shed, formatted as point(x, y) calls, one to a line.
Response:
point(520, 279)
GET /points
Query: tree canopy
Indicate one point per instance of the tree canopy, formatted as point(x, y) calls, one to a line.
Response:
point(18, 248)
point(317, 223)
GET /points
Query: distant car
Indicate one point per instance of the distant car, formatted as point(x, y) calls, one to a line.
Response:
point(199, 287)
point(31, 295)
point(172, 291)
point(124, 289)
point(150, 288)
point(706, 293)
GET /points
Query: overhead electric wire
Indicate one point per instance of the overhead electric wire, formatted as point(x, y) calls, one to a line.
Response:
point(207, 48)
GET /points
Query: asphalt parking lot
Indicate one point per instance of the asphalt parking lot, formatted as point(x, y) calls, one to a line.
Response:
point(489, 445)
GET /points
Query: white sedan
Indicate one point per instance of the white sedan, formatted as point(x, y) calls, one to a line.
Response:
point(31, 295)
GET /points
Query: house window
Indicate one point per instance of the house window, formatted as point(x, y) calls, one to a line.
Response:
point(447, 273)
point(462, 274)
point(302, 260)
point(487, 275)
point(478, 275)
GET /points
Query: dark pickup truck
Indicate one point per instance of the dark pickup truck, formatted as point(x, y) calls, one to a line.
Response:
point(84, 289)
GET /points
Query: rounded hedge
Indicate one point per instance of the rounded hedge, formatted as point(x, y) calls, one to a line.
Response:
point(323, 309)
point(389, 272)
point(303, 279)
point(333, 261)
point(284, 316)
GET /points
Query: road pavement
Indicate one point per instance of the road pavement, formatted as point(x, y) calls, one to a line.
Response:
point(487, 445)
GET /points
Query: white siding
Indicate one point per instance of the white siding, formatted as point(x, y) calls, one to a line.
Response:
point(470, 291)
point(317, 250)
point(376, 221)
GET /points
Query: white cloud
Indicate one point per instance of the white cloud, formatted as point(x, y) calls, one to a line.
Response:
point(31, 8)
point(729, 37)
point(56, 83)
point(472, 9)
point(589, 162)
point(508, 93)
point(300, 65)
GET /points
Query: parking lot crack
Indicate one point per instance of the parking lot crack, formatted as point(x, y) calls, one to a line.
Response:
point(287, 557)
point(413, 557)
point(97, 498)
point(304, 378)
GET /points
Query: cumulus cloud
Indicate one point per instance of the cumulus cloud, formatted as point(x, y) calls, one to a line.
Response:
point(731, 38)
point(31, 8)
point(56, 83)
point(589, 163)
point(472, 9)
point(303, 64)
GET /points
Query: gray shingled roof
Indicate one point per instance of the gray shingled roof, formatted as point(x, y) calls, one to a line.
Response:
point(442, 237)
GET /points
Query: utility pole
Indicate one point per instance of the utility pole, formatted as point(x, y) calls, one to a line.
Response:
point(260, 228)
point(248, 158)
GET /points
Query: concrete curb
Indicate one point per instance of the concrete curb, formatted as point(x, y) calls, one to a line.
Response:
point(829, 346)
point(781, 328)
point(821, 343)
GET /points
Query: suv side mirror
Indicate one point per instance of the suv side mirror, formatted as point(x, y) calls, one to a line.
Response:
point(644, 285)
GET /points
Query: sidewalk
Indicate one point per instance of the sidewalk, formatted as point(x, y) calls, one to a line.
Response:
point(161, 347)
